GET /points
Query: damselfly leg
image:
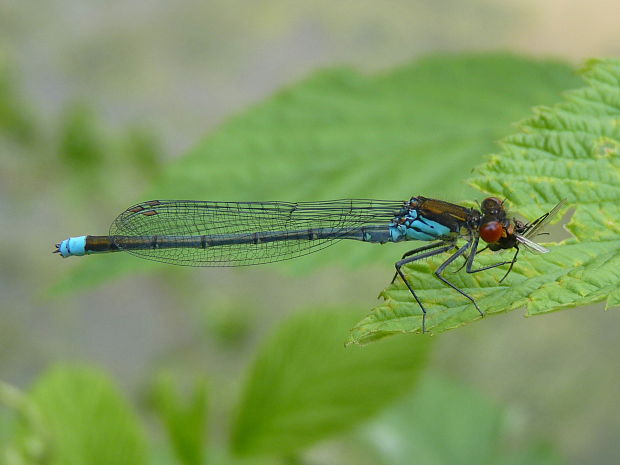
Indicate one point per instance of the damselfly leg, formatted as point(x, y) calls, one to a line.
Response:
point(512, 262)
point(445, 264)
point(475, 252)
point(413, 256)
point(416, 251)
point(441, 247)
point(470, 261)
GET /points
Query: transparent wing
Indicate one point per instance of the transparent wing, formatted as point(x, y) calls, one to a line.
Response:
point(537, 226)
point(531, 245)
point(244, 219)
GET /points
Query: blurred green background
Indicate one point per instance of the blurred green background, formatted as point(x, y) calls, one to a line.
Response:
point(105, 105)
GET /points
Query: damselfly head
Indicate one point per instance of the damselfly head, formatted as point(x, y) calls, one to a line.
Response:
point(501, 233)
point(494, 228)
point(493, 207)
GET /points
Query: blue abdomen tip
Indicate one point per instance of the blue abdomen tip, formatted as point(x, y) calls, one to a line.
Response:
point(72, 246)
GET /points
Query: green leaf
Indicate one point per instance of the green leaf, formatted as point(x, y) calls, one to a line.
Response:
point(305, 386)
point(540, 453)
point(28, 439)
point(142, 148)
point(89, 421)
point(81, 146)
point(185, 420)
point(443, 423)
point(353, 132)
point(569, 151)
point(341, 133)
point(16, 120)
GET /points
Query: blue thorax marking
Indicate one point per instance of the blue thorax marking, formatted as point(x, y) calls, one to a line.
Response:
point(416, 228)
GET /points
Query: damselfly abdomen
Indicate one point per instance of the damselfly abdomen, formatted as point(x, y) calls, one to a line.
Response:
point(203, 233)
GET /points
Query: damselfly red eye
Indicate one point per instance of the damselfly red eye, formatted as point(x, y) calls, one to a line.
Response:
point(491, 232)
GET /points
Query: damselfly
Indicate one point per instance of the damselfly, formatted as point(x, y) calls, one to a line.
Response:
point(202, 233)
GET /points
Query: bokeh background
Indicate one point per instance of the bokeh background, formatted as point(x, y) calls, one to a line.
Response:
point(98, 102)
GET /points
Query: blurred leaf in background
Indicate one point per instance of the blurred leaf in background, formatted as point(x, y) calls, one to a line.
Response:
point(184, 418)
point(444, 423)
point(16, 119)
point(305, 386)
point(101, 162)
point(570, 151)
point(142, 149)
point(228, 322)
point(341, 133)
point(24, 434)
point(82, 144)
point(87, 418)
point(75, 150)
point(417, 129)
